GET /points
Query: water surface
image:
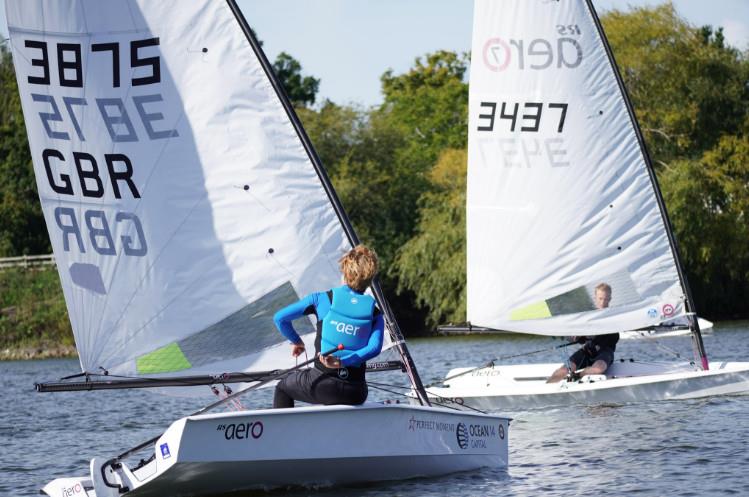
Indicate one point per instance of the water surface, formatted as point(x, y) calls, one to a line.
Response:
point(693, 447)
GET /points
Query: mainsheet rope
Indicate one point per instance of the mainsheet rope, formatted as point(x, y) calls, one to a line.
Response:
point(490, 363)
point(380, 386)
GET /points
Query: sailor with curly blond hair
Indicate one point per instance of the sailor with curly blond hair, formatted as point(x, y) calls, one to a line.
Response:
point(348, 320)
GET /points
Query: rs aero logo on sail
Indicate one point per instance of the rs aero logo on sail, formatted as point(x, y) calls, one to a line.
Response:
point(539, 53)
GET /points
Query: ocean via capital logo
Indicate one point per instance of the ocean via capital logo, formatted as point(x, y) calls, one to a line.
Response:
point(461, 433)
point(498, 53)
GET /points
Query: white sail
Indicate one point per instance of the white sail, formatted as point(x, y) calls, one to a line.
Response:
point(560, 197)
point(181, 204)
point(185, 205)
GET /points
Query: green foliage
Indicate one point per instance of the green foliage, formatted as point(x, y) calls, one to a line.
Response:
point(301, 90)
point(378, 190)
point(429, 106)
point(432, 264)
point(32, 309)
point(334, 130)
point(424, 112)
point(378, 159)
point(399, 169)
point(360, 154)
point(688, 88)
point(360, 150)
point(22, 230)
point(691, 95)
point(708, 202)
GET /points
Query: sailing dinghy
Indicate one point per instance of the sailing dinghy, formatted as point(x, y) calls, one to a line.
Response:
point(185, 204)
point(561, 197)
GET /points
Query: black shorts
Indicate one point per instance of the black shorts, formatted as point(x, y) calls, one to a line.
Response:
point(315, 387)
point(582, 359)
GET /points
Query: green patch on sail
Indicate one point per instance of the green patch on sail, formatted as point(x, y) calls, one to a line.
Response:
point(537, 310)
point(572, 302)
point(164, 360)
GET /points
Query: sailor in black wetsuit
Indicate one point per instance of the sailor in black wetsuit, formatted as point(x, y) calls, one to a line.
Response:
point(345, 316)
point(597, 352)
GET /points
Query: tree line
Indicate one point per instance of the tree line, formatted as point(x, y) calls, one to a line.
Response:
point(399, 167)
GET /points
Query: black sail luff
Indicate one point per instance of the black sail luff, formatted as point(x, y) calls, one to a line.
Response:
point(690, 305)
point(391, 322)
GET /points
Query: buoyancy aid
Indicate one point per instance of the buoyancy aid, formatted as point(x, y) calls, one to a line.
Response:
point(348, 322)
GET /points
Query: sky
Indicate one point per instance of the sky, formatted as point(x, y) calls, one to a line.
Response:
point(349, 44)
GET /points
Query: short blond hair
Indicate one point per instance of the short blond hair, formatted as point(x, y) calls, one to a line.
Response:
point(359, 267)
point(603, 287)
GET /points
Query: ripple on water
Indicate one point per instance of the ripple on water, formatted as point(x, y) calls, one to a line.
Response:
point(668, 448)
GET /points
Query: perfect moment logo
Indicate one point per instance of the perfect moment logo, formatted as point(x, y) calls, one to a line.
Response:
point(565, 51)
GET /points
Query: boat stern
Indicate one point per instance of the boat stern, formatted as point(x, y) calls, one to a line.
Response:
point(69, 487)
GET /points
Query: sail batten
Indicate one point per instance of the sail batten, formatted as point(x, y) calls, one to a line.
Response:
point(560, 197)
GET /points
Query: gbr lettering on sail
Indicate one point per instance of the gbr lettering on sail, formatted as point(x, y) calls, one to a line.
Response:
point(92, 107)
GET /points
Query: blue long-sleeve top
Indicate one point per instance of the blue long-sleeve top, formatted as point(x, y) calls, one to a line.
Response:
point(319, 304)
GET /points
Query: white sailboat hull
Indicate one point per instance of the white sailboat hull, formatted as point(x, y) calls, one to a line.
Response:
point(310, 446)
point(524, 386)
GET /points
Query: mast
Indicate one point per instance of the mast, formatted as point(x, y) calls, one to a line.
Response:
point(693, 324)
point(353, 239)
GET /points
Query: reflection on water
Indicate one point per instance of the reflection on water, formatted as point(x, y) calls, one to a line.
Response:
point(667, 448)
